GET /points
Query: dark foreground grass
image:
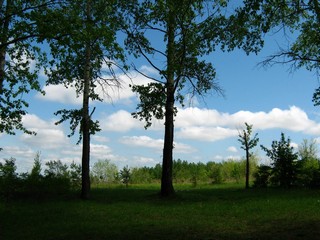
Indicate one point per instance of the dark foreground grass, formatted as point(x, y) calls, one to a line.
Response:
point(206, 212)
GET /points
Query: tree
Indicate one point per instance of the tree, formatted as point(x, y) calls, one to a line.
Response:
point(56, 169)
point(301, 18)
point(247, 144)
point(308, 149)
point(308, 166)
point(284, 162)
point(190, 30)
point(125, 175)
point(8, 178)
point(104, 171)
point(21, 59)
point(84, 56)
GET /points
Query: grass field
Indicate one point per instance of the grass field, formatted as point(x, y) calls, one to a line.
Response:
point(205, 212)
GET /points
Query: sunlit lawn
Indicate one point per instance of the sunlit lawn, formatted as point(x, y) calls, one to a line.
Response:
point(205, 212)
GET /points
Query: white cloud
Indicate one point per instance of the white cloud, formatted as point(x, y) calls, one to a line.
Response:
point(148, 142)
point(142, 141)
point(206, 133)
point(111, 91)
point(61, 94)
point(294, 145)
point(120, 121)
point(100, 139)
point(232, 149)
point(49, 136)
point(138, 161)
point(211, 125)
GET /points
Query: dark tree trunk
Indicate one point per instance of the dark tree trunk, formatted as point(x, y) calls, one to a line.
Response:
point(166, 179)
point(86, 120)
point(3, 40)
point(247, 166)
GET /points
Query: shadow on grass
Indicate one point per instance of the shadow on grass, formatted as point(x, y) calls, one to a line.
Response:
point(206, 212)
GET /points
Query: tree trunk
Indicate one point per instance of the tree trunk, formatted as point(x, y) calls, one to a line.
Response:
point(247, 166)
point(3, 40)
point(86, 119)
point(166, 179)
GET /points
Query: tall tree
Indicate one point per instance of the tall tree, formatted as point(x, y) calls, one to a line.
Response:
point(84, 56)
point(21, 59)
point(248, 143)
point(189, 29)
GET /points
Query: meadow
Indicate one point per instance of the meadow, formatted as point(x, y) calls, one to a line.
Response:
point(225, 211)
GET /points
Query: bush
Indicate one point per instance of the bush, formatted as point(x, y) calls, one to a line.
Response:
point(9, 181)
point(262, 176)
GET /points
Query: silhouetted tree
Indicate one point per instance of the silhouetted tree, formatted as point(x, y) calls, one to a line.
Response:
point(125, 175)
point(189, 30)
point(284, 162)
point(84, 56)
point(247, 144)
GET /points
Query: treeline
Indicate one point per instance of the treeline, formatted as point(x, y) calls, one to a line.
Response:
point(190, 172)
point(56, 179)
point(59, 178)
point(288, 168)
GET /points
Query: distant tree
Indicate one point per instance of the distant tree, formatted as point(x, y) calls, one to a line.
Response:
point(36, 168)
point(284, 161)
point(8, 178)
point(56, 169)
point(104, 171)
point(189, 31)
point(75, 175)
point(214, 171)
point(248, 143)
point(308, 149)
point(198, 173)
point(125, 175)
point(308, 166)
point(141, 175)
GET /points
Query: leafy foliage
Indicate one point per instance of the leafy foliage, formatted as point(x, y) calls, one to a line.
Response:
point(284, 162)
point(21, 60)
point(104, 171)
point(125, 175)
point(299, 17)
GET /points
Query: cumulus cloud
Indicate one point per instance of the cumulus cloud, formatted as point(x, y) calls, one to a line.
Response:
point(60, 94)
point(110, 92)
point(100, 139)
point(142, 141)
point(49, 136)
point(211, 125)
point(232, 149)
point(120, 121)
point(157, 144)
point(206, 133)
point(138, 161)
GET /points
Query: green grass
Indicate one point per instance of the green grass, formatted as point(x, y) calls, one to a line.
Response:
point(205, 212)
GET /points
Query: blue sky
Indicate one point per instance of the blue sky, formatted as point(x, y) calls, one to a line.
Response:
point(274, 100)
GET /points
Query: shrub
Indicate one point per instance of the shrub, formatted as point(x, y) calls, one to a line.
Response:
point(262, 176)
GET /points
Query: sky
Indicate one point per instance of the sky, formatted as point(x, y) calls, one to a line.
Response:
point(272, 99)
